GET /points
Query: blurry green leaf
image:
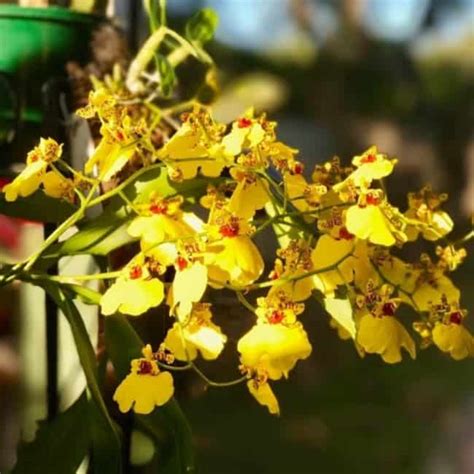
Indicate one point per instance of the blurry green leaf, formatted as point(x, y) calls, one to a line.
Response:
point(167, 75)
point(201, 26)
point(60, 445)
point(167, 424)
point(99, 236)
point(105, 437)
point(156, 180)
point(37, 207)
point(341, 311)
point(83, 293)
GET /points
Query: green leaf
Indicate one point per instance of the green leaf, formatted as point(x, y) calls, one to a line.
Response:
point(341, 311)
point(60, 445)
point(37, 207)
point(201, 26)
point(105, 437)
point(167, 75)
point(156, 180)
point(167, 424)
point(83, 293)
point(99, 236)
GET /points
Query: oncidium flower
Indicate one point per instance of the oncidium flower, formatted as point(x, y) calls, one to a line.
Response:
point(231, 255)
point(277, 341)
point(197, 333)
point(379, 332)
point(425, 217)
point(260, 389)
point(373, 219)
point(37, 162)
point(136, 290)
point(145, 387)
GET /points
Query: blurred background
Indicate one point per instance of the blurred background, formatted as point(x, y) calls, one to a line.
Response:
point(338, 76)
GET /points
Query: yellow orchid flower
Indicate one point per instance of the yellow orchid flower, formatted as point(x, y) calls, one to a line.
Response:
point(453, 337)
point(197, 333)
point(37, 162)
point(57, 186)
point(337, 253)
point(425, 217)
point(162, 220)
point(232, 257)
point(188, 286)
point(134, 292)
point(246, 132)
point(250, 195)
point(277, 341)
point(196, 146)
point(384, 335)
point(370, 165)
point(295, 261)
point(145, 387)
point(373, 219)
point(110, 156)
point(303, 195)
point(263, 393)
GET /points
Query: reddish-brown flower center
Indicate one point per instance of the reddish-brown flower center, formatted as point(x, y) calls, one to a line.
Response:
point(181, 263)
point(369, 158)
point(455, 318)
point(244, 122)
point(276, 317)
point(135, 272)
point(372, 199)
point(145, 367)
point(229, 230)
point(389, 308)
point(298, 168)
point(158, 208)
point(120, 136)
point(345, 234)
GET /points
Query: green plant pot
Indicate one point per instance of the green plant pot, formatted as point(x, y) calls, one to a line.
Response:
point(35, 44)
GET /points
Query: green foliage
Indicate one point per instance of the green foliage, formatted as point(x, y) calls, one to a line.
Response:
point(167, 75)
point(60, 444)
point(37, 207)
point(202, 26)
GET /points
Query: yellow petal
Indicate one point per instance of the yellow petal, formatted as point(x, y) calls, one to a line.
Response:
point(455, 339)
point(369, 223)
point(144, 392)
point(341, 311)
point(178, 345)
point(274, 348)
point(132, 297)
point(265, 396)
point(385, 336)
point(188, 287)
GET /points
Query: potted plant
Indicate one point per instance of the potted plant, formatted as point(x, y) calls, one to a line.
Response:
point(38, 38)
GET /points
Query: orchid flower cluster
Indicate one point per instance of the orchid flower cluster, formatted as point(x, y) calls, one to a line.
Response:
point(194, 195)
